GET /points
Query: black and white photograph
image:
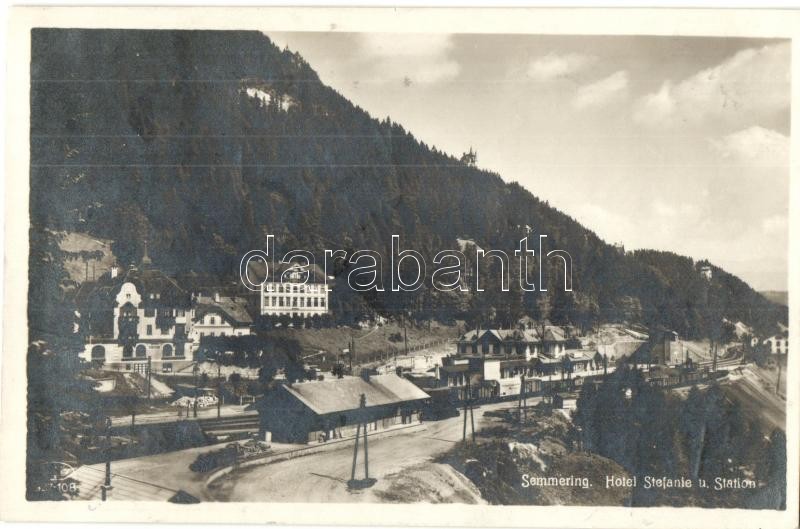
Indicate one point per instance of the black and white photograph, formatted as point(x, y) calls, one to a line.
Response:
point(488, 268)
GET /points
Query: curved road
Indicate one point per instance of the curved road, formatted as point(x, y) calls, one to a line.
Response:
point(323, 477)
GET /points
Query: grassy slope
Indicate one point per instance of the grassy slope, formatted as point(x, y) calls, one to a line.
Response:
point(75, 242)
point(367, 340)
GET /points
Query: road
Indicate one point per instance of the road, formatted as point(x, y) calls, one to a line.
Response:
point(323, 477)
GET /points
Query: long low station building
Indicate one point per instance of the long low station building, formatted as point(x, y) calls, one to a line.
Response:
point(318, 411)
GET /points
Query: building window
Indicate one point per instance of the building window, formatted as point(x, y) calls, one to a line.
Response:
point(166, 350)
point(127, 351)
point(149, 330)
point(141, 351)
point(149, 312)
point(164, 331)
point(212, 320)
point(98, 352)
point(127, 296)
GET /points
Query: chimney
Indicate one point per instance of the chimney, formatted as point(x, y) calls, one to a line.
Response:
point(114, 271)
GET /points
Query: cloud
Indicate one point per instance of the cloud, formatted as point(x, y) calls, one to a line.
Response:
point(407, 58)
point(406, 44)
point(754, 146)
point(601, 92)
point(776, 224)
point(553, 66)
point(752, 82)
point(607, 221)
point(674, 210)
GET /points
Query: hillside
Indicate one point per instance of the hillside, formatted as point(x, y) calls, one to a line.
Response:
point(86, 256)
point(204, 142)
point(781, 297)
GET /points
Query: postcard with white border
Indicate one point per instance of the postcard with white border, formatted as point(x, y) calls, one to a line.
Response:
point(420, 266)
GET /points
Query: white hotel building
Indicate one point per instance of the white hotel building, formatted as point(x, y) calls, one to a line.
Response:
point(285, 293)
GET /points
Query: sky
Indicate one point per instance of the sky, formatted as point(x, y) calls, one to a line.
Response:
point(671, 143)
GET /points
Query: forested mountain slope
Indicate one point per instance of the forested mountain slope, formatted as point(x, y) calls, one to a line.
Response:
point(204, 142)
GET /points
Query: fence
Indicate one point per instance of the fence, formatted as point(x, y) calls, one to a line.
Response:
point(398, 352)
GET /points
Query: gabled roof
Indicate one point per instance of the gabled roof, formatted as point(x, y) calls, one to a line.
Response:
point(552, 333)
point(578, 355)
point(343, 394)
point(233, 309)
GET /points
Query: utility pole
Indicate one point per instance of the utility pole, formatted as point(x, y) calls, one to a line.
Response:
point(778, 382)
point(362, 422)
point(714, 362)
point(405, 337)
point(194, 370)
point(219, 388)
point(107, 483)
point(468, 409)
point(523, 399)
point(149, 366)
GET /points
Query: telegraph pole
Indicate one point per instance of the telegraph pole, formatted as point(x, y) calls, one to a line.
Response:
point(219, 389)
point(523, 399)
point(194, 370)
point(361, 422)
point(468, 409)
point(714, 362)
point(107, 483)
point(405, 336)
point(149, 366)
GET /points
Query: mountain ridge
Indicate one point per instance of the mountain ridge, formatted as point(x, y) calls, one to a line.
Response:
point(204, 142)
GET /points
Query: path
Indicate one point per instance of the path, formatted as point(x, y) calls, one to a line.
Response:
point(322, 477)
